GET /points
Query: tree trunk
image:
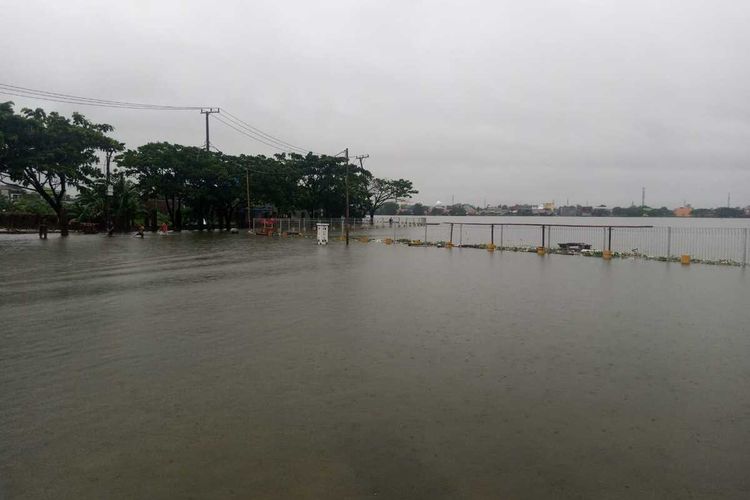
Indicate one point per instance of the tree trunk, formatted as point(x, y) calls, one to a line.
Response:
point(228, 215)
point(178, 216)
point(372, 217)
point(62, 217)
point(154, 219)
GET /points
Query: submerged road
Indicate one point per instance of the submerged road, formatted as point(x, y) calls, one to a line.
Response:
point(232, 366)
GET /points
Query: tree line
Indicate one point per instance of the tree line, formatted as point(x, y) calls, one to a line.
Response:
point(52, 156)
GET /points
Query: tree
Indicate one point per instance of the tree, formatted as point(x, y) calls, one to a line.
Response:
point(48, 153)
point(456, 210)
point(381, 191)
point(322, 185)
point(162, 170)
point(388, 208)
point(728, 212)
point(418, 209)
point(30, 203)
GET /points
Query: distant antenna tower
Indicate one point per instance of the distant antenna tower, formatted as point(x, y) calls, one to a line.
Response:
point(643, 197)
point(729, 200)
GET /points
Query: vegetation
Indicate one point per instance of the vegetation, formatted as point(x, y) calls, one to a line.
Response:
point(418, 209)
point(49, 155)
point(382, 191)
point(388, 208)
point(456, 210)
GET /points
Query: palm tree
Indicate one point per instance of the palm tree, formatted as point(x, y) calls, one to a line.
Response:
point(126, 202)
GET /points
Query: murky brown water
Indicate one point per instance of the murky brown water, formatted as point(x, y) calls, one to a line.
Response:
point(220, 366)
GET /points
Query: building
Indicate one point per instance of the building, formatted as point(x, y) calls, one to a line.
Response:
point(686, 211)
point(10, 193)
point(568, 211)
point(601, 211)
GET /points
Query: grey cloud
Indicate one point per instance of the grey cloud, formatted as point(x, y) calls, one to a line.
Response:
point(508, 101)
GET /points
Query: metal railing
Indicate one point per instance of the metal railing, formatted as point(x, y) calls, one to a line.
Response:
point(288, 225)
point(710, 245)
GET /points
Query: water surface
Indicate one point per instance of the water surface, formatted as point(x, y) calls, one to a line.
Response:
point(220, 366)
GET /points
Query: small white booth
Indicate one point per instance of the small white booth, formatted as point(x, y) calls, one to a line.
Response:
point(322, 234)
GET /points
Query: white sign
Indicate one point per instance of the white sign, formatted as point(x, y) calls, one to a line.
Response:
point(322, 234)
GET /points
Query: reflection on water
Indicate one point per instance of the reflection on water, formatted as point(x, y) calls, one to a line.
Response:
point(215, 366)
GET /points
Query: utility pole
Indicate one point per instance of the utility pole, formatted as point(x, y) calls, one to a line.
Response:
point(250, 221)
point(346, 222)
point(729, 198)
point(208, 112)
point(360, 158)
point(643, 198)
point(110, 192)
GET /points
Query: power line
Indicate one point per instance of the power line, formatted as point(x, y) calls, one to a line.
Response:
point(229, 119)
point(249, 127)
point(44, 95)
point(253, 137)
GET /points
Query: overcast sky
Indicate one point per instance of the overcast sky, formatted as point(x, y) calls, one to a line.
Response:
point(503, 101)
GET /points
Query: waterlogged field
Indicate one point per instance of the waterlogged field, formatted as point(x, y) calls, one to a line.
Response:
point(221, 366)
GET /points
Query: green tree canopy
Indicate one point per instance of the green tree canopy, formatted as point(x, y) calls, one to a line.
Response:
point(49, 153)
point(381, 191)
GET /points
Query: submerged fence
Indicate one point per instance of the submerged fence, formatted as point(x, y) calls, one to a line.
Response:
point(711, 245)
point(335, 225)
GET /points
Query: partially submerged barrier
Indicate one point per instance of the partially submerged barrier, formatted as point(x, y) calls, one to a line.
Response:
point(720, 246)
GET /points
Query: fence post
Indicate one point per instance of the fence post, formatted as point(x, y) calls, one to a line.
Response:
point(460, 235)
point(425, 233)
point(492, 234)
point(502, 226)
point(744, 250)
point(669, 242)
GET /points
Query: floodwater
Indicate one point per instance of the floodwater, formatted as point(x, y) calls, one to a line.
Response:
point(233, 366)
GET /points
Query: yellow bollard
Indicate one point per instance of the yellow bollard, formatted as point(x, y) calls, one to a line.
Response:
point(607, 255)
point(540, 250)
point(491, 247)
point(685, 260)
point(364, 239)
point(388, 241)
point(449, 245)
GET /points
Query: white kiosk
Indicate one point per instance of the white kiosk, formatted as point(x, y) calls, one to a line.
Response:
point(322, 234)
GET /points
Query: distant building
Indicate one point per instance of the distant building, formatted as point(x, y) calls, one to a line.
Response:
point(10, 193)
point(569, 211)
point(601, 211)
point(521, 210)
point(686, 211)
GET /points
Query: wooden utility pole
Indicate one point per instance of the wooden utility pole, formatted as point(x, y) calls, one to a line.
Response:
point(208, 112)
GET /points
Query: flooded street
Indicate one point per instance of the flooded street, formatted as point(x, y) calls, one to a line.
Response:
point(220, 366)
